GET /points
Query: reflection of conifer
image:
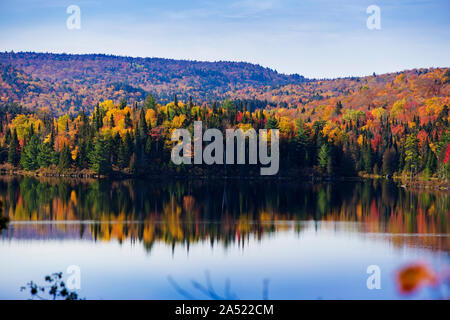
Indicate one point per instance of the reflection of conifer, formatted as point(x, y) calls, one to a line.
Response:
point(3, 220)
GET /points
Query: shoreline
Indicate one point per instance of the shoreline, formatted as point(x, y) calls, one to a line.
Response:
point(403, 181)
point(416, 183)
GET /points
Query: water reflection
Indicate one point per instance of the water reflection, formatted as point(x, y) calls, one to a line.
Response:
point(225, 212)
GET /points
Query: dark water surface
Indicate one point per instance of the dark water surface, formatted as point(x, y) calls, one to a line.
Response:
point(195, 239)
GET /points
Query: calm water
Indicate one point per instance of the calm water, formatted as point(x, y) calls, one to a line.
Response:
point(246, 240)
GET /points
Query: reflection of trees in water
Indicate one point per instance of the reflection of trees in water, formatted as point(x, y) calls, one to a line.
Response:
point(190, 211)
point(3, 220)
point(3, 223)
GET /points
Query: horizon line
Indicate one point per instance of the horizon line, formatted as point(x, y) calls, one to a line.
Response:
point(221, 61)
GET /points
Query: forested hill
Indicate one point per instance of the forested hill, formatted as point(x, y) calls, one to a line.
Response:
point(66, 82)
point(395, 124)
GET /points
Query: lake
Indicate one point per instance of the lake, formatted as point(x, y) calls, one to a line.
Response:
point(274, 239)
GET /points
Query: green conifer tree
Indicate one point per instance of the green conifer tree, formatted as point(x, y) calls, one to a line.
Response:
point(65, 158)
point(14, 149)
point(45, 155)
point(99, 156)
point(29, 156)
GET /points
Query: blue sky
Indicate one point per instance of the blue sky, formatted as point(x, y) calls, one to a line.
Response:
point(315, 38)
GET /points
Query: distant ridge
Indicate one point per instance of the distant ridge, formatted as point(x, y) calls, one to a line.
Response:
point(74, 74)
point(71, 82)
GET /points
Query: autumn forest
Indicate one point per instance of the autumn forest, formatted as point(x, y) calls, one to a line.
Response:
point(107, 115)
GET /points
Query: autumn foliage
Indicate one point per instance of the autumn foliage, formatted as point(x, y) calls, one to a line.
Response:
point(94, 112)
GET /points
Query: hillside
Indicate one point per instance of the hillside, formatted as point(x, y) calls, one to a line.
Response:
point(66, 82)
point(395, 124)
point(420, 92)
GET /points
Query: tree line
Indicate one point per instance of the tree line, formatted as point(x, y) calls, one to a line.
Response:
point(135, 139)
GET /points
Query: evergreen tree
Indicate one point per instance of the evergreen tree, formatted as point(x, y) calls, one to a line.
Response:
point(128, 121)
point(443, 151)
point(389, 161)
point(324, 156)
point(133, 165)
point(411, 153)
point(367, 157)
point(138, 148)
point(148, 150)
point(99, 156)
point(123, 103)
point(301, 141)
point(3, 154)
point(111, 121)
point(431, 164)
point(191, 104)
point(29, 157)
point(97, 118)
point(115, 149)
point(143, 128)
point(82, 155)
point(125, 151)
point(45, 155)
point(14, 149)
point(150, 102)
point(347, 165)
point(8, 137)
point(271, 123)
point(65, 158)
